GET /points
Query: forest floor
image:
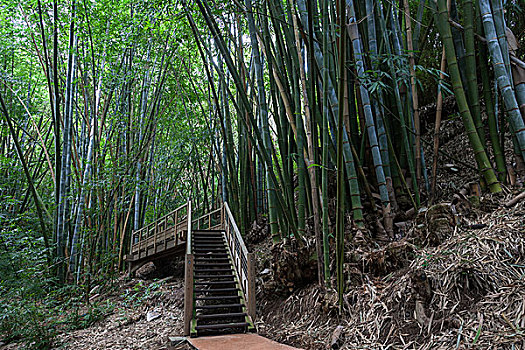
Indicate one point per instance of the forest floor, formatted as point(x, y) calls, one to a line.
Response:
point(468, 291)
point(454, 278)
point(462, 286)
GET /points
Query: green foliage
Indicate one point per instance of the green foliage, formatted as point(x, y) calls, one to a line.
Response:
point(141, 292)
point(29, 321)
point(82, 317)
point(27, 314)
point(34, 308)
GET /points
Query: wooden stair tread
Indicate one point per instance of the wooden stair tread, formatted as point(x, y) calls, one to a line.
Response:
point(210, 255)
point(213, 276)
point(206, 240)
point(214, 247)
point(222, 325)
point(215, 283)
point(213, 270)
point(218, 306)
point(210, 249)
point(213, 264)
point(220, 297)
point(213, 316)
point(216, 290)
point(201, 260)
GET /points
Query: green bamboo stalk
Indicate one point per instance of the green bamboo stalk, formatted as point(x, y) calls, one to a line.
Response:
point(504, 83)
point(340, 215)
point(499, 24)
point(470, 68)
point(480, 155)
point(499, 158)
point(334, 107)
point(399, 105)
point(40, 207)
point(369, 118)
point(261, 150)
point(325, 159)
point(378, 105)
point(417, 29)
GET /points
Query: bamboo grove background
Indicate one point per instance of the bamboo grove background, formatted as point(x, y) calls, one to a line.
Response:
point(303, 114)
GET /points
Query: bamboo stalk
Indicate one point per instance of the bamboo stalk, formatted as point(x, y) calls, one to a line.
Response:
point(480, 155)
point(504, 83)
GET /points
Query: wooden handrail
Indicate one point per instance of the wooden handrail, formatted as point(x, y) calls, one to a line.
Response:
point(235, 228)
point(244, 262)
point(208, 216)
point(148, 226)
point(156, 231)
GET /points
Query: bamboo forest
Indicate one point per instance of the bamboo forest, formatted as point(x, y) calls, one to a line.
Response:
point(262, 174)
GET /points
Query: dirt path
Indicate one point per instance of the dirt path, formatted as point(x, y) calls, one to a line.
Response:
point(144, 315)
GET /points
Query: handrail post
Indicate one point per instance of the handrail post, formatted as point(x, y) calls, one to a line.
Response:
point(140, 241)
point(188, 235)
point(222, 217)
point(188, 278)
point(175, 228)
point(188, 293)
point(155, 236)
point(250, 260)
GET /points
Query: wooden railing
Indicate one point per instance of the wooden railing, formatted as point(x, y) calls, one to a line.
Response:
point(214, 220)
point(243, 261)
point(166, 232)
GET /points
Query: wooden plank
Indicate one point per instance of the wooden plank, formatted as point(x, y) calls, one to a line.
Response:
point(188, 293)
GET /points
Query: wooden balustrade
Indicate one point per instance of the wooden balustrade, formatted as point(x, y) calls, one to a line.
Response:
point(213, 220)
point(244, 262)
point(166, 232)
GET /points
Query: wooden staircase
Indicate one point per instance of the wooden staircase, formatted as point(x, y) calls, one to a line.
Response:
point(219, 300)
point(219, 277)
point(219, 294)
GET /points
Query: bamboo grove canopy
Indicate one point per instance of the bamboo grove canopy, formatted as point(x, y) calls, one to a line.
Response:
point(306, 114)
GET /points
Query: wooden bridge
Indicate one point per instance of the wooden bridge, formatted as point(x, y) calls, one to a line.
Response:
point(219, 290)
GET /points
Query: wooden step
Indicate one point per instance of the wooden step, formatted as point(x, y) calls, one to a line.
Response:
point(215, 283)
point(220, 297)
point(210, 250)
point(207, 246)
point(207, 241)
point(199, 264)
point(213, 270)
point(215, 316)
point(218, 306)
point(207, 261)
point(208, 234)
point(222, 326)
point(212, 276)
point(216, 290)
point(211, 238)
point(210, 254)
